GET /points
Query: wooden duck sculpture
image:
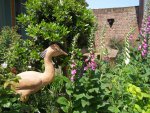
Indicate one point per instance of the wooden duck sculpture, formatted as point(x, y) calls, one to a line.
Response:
point(32, 81)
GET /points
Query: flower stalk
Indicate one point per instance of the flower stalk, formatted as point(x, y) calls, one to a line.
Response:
point(103, 49)
point(90, 61)
point(72, 59)
point(127, 46)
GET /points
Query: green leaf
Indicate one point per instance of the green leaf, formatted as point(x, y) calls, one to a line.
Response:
point(137, 108)
point(105, 85)
point(89, 96)
point(65, 79)
point(146, 95)
point(65, 109)
point(62, 101)
point(69, 92)
point(79, 96)
point(85, 103)
point(7, 105)
point(6, 84)
point(76, 112)
point(102, 105)
point(114, 109)
point(94, 90)
point(84, 112)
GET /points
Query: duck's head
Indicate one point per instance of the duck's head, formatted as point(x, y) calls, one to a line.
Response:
point(53, 51)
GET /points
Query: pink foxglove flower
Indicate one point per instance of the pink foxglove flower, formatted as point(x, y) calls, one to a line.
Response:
point(140, 47)
point(85, 68)
point(73, 72)
point(92, 59)
point(143, 54)
point(72, 78)
point(86, 60)
point(94, 66)
point(131, 37)
point(145, 46)
point(145, 40)
point(73, 65)
point(145, 51)
point(90, 62)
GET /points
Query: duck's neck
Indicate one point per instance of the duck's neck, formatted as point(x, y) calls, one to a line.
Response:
point(49, 71)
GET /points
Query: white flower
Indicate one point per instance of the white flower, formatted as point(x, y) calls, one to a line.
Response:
point(61, 2)
point(29, 67)
point(35, 38)
point(127, 60)
point(4, 65)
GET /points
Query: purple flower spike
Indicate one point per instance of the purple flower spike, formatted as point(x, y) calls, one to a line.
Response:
point(90, 62)
point(145, 32)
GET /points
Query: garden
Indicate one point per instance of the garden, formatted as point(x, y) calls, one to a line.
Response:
point(84, 84)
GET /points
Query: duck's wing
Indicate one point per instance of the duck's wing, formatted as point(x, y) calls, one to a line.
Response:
point(29, 80)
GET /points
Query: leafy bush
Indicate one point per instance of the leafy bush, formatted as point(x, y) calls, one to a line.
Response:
point(7, 37)
point(10, 102)
point(18, 54)
point(55, 20)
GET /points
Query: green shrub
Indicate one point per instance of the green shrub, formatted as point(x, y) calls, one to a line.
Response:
point(7, 37)
point(19, 54)
point(9, 103)
point(55, 20)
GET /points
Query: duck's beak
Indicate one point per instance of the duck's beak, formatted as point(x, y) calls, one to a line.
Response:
point(63, 53)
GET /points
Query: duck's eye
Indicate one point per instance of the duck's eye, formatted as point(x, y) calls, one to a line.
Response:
point(57, 49)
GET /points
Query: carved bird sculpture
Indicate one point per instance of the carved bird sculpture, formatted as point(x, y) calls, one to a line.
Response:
point(32, 81)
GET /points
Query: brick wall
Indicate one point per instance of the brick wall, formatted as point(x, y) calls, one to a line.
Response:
point(124, 18)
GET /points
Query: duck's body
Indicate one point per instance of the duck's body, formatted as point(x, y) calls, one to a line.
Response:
point(32, 81)
point(27, 85)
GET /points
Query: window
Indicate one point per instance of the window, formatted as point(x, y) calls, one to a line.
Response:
point(111, 22)
point(5, 13)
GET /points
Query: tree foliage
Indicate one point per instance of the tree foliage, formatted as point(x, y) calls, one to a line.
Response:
point(57, 20)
